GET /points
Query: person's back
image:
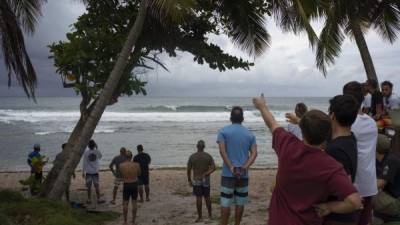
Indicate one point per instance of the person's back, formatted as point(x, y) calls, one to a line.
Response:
point(200, 162)
point(238, 149)
point(306, 176)
point(366, 133)
point(238, 140)
point(91, 159)
point(117, 160)
point(129, 171)
point(143, 159)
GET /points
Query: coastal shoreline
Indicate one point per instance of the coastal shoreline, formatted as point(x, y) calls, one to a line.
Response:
point(171, 198)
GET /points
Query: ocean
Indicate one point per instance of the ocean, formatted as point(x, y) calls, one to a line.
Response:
point(167, 127)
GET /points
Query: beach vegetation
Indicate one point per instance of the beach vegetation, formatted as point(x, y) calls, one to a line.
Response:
point(15, 209)
point(143, 30)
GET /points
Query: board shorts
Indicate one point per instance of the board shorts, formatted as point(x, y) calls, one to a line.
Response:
point(130, 191)
point(92, 179)
point(234, 191)
point(201, 188)
point(143, 180)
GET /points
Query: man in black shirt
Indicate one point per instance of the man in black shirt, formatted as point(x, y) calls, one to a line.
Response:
point(388, 174)
point(343, 111)
point(376, 99)
point(144, 179)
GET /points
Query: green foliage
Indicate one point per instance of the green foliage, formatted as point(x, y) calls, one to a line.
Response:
point(33, 184)
point(91, 49)
point(15, 209)
point(341, 16)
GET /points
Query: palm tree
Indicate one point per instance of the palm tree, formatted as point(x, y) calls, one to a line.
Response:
point(16, 16)
point(353, 18)
point(245, 26)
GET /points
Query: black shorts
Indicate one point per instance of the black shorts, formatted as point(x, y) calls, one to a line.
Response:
point(143, 180)
point(201, 190)
point(130, 191)
point(343, 218)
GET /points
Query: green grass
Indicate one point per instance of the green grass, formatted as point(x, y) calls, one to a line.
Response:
point(15, 209)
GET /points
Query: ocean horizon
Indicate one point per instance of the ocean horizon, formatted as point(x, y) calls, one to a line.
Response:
point(168, 127)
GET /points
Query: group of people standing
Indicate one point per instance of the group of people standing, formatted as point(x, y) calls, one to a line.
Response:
point(332, 168)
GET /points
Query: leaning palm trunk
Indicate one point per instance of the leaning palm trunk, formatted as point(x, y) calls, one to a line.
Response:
point(70, 157)
point(364, 52)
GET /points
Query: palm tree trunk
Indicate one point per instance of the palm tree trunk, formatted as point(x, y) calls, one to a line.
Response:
point(75, 150)
point(364, 52)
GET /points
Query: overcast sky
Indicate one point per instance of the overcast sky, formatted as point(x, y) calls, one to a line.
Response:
point(286, 69)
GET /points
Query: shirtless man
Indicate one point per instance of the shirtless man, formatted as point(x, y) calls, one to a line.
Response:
point(130, 172)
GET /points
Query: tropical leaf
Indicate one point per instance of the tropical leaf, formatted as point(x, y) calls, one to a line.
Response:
point(246, 25)
point(16, 58)
point(386, 20)
point(171, 11)
point(330, 41)
point(27, 12)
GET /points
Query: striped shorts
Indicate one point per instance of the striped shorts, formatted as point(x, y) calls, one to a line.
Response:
point(234, 191)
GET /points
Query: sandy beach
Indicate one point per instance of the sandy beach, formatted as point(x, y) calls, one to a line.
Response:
point(171, 198)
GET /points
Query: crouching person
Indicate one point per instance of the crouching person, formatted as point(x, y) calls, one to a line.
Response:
point(387, 203)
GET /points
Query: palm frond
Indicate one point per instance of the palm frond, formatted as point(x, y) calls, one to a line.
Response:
point(171, 11)
point(14, 51)
point(330, 41)
point(386, 20)
point(27, 12)
point(246, 25)
point(295, 16)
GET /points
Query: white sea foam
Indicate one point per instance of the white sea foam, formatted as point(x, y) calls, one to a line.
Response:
point(97, 131)
point(8, 116)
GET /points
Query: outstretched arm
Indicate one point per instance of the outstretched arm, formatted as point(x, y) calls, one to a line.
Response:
point(260, 104)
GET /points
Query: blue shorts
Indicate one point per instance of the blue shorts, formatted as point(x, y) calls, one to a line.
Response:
point(234, 191)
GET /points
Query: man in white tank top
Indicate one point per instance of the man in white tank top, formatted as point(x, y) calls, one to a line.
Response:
point(366, 133)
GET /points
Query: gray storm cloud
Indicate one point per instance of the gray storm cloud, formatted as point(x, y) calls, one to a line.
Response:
point(286, 69)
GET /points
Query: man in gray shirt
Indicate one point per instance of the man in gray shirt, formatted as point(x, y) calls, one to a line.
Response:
point(117, 173)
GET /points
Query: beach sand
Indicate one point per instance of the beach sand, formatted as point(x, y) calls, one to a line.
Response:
point(171, 198)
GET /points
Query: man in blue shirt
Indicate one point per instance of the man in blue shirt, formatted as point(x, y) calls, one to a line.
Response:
point(33, 161)
point(238, 149)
